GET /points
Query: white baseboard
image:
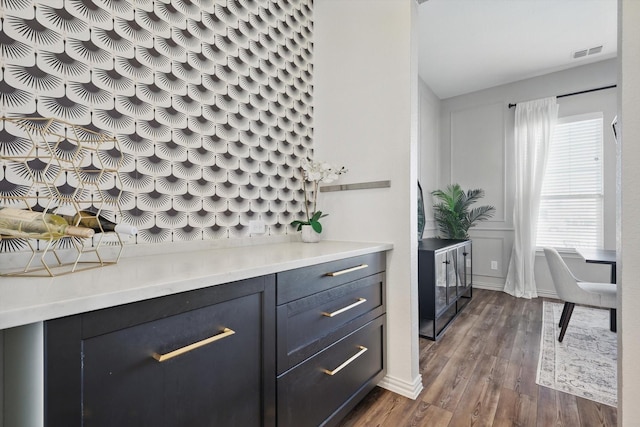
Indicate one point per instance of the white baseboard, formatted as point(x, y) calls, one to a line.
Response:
point(488, 286)
point(499, 287)
point(547, 294)
point(403, 388)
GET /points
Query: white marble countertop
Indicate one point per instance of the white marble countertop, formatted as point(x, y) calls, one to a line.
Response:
point(25, 300)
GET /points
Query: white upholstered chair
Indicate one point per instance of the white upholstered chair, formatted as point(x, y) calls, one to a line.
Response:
point(573, 291)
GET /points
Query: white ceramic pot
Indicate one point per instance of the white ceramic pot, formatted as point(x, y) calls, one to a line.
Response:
point(309, 235)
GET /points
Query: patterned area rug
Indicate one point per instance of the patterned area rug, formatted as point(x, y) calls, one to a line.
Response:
point(585, 362)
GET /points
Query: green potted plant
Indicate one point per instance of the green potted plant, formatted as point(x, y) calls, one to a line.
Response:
point(453, 213)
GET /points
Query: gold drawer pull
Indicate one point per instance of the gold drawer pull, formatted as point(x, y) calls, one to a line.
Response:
point(346, 362)
point(347, 270)
point(163, 357)
point(343, 309)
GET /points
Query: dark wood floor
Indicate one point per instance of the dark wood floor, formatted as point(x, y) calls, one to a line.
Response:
point(482, 372)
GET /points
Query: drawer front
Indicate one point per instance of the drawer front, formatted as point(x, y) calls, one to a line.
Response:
point(119, 369)
point(116, 379)
point(309, 395)
point(305, 281)
point(307, 325)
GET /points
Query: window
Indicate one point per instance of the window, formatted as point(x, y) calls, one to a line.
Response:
point(572, 192)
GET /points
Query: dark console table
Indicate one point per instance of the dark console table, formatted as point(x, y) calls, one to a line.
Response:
point(444, 283)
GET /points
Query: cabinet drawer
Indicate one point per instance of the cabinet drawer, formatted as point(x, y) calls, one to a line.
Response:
point(309, 395)
point(307, 325)
point(305, 281)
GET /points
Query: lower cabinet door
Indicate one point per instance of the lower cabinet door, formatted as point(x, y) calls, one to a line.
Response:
point(125, 385)
point(202, 367)
point(314, 392)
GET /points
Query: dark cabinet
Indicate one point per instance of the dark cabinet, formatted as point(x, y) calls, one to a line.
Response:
point(330, 338)
point(444, 283)
point(200, 358)
point(298, 348)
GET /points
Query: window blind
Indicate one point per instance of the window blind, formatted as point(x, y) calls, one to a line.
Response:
point(571, 208)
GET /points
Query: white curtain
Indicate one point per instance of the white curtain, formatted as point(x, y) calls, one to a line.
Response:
point(534, 123)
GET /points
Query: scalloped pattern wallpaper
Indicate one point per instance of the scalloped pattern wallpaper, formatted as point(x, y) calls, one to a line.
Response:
point(210, 101)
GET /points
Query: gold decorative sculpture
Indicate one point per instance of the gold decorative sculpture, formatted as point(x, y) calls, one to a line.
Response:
point(66, 169)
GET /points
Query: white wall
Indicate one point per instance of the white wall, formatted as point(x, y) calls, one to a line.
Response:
point(629, 203)
point(365, 97)
point(476, 152)
point(428, 150)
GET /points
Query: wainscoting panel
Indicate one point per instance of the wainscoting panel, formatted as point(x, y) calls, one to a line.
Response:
point(486, 250)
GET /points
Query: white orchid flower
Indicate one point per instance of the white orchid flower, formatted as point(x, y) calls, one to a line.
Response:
point(332, 176)
point(314, 176)
point(315, 172)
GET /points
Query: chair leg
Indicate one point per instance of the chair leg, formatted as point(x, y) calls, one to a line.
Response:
point(566, 319)
point(564, 313)
point(612, 320)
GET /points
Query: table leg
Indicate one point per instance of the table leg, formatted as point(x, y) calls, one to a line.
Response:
point(613, 273)
point(612, 320)
point(612, 313)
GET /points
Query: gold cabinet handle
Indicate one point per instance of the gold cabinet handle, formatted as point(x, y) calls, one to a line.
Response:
point(346, 362)
point(347, 270)
point(343, 309)
point(164, 357)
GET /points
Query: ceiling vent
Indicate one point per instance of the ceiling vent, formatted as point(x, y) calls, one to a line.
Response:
point(579, 53)
point(586, 52)
point(595, 50)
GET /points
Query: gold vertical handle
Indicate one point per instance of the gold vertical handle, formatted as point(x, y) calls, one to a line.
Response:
point(164, 357)
point(343, 309)
point(347, 270)
point(347, 362)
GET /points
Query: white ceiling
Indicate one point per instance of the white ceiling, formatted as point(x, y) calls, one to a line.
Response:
point(469, 45)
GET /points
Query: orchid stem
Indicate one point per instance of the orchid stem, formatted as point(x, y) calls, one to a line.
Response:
point(306, 201)
point(315, 196)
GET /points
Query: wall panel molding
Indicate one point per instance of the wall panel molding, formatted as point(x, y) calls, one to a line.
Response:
point(476, 160)
point(485, 250)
